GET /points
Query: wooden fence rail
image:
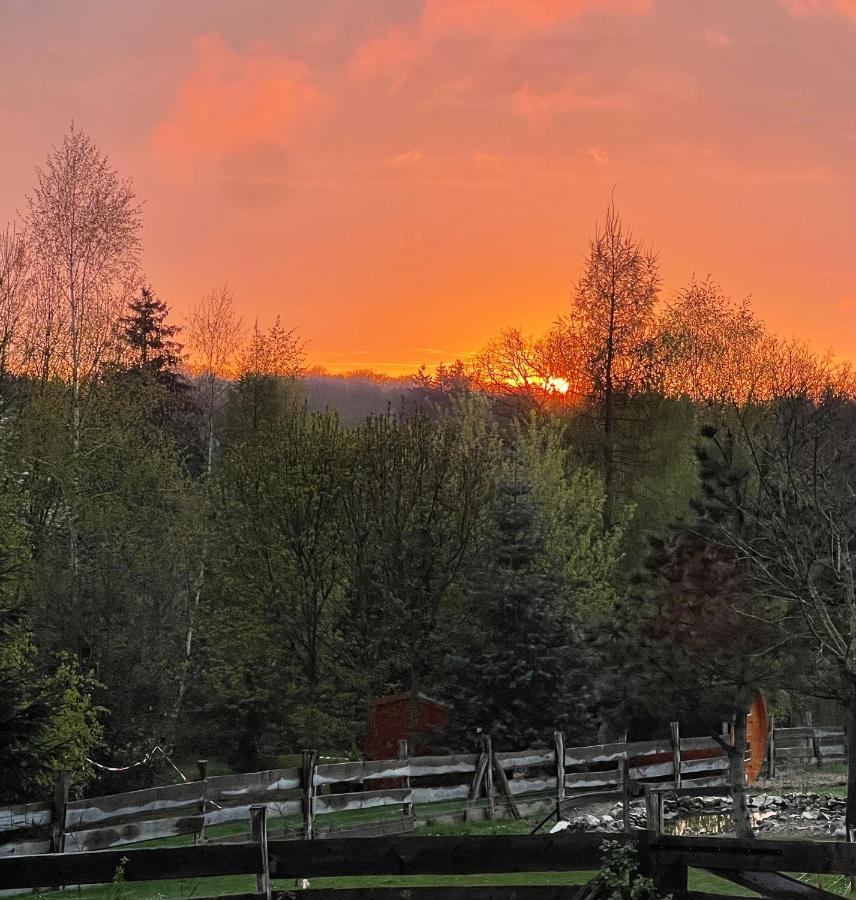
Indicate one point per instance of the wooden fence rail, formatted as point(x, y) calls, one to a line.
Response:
point(752, 863)
point(306, 794)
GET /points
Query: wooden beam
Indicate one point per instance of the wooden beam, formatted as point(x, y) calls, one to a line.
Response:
point(487, 750)
point(58, 813)
point(675, 732)
point(559, 744)
point(773, 884)
point(258, 825)
point(506, 789)
point(307, 779)
point(475, 787)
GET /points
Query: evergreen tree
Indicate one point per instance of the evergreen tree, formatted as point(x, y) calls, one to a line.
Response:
point(151, 340)
point(520, 673)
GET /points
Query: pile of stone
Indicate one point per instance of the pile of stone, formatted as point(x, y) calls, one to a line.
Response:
point(770, 812)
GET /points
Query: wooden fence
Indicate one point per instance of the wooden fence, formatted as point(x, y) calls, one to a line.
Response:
point(807, 744)
point(480, 785)
point(748, 863)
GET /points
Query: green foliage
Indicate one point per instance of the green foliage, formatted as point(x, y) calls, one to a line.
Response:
point(48, 721)
point(569, 504)
point(521, 668)
point(619, 877)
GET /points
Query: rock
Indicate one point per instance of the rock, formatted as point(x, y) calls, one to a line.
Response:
point(560, 826)
point(607, 820)
point(810, 814)
point(592, 821)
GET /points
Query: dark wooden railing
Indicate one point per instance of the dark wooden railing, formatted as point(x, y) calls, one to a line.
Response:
point(756, 864)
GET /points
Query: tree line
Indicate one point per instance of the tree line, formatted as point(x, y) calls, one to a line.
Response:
point(646, 512)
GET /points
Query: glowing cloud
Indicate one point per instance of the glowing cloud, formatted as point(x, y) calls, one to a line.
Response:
point(533, 104)
point(234, 103)
point(822, 8)
point(395, 52)
point(408, 158)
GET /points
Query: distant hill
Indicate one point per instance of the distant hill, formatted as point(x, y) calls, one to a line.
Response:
point(355, 397)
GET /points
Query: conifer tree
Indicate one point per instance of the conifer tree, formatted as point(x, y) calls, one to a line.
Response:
point(521, 672)
point(151, 339)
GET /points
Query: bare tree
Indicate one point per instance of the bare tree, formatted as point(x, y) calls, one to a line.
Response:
point(16, 277)
point(611, 329)
point(215, 337)
point(83, 225)
point(526, 373)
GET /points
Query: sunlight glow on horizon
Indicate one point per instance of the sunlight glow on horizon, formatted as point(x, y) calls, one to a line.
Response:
point(402, 179)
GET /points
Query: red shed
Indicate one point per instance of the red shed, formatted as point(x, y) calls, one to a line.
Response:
point(389, 722)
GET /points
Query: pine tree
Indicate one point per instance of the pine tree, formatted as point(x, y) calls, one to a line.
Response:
point(521, 673)
point(151, 340)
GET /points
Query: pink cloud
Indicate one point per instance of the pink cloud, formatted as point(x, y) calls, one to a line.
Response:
point(513, 18)
point(822, 8)
point(408, 158)
point(233, 103)
point(391, 54)
point(535, 105)
point(395, 52)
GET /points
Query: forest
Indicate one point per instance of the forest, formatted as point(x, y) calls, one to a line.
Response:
point(647, 512)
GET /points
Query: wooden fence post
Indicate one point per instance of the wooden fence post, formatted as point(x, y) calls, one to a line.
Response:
point(815, 744)
point(60, 805)
point(653, 811)
point(202, 772)
point(487, 750)
point(258, 821)
point(404, 753)
point(310, 763)
point(771, 749)
point(559, 741)
point(625, 791)
point(475, 787)
point(675, 730)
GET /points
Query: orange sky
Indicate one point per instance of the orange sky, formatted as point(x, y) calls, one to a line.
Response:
point(403, 178)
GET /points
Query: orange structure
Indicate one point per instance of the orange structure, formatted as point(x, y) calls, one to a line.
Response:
point(389, 722)
point(757, 735)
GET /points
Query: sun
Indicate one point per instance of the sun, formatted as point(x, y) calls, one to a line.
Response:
point(558, 385)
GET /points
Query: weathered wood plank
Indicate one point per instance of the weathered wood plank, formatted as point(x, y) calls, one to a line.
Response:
point(712, 764)
point(772, 884)
point(601, 753)
point(25, 815)
point(362, 800)
point(227, 788)
point(759, 856)
point(830, 731)
point(532, 785)
point(406, 855)
point(433, 794)
point(525, 759)
point(23, 848)
point(276, 809)
point(415, 767)
point(132, 805)
point(652, 770)
point(578, 780)
point(416, 855)
point(132, 833)
point(99, 867)
point(798, 732)
point(794, 753)
point(695, 744)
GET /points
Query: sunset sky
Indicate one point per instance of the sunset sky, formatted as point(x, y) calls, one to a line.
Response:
point(403, 178)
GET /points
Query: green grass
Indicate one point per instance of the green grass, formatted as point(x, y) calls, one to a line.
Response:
point(213, 887)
